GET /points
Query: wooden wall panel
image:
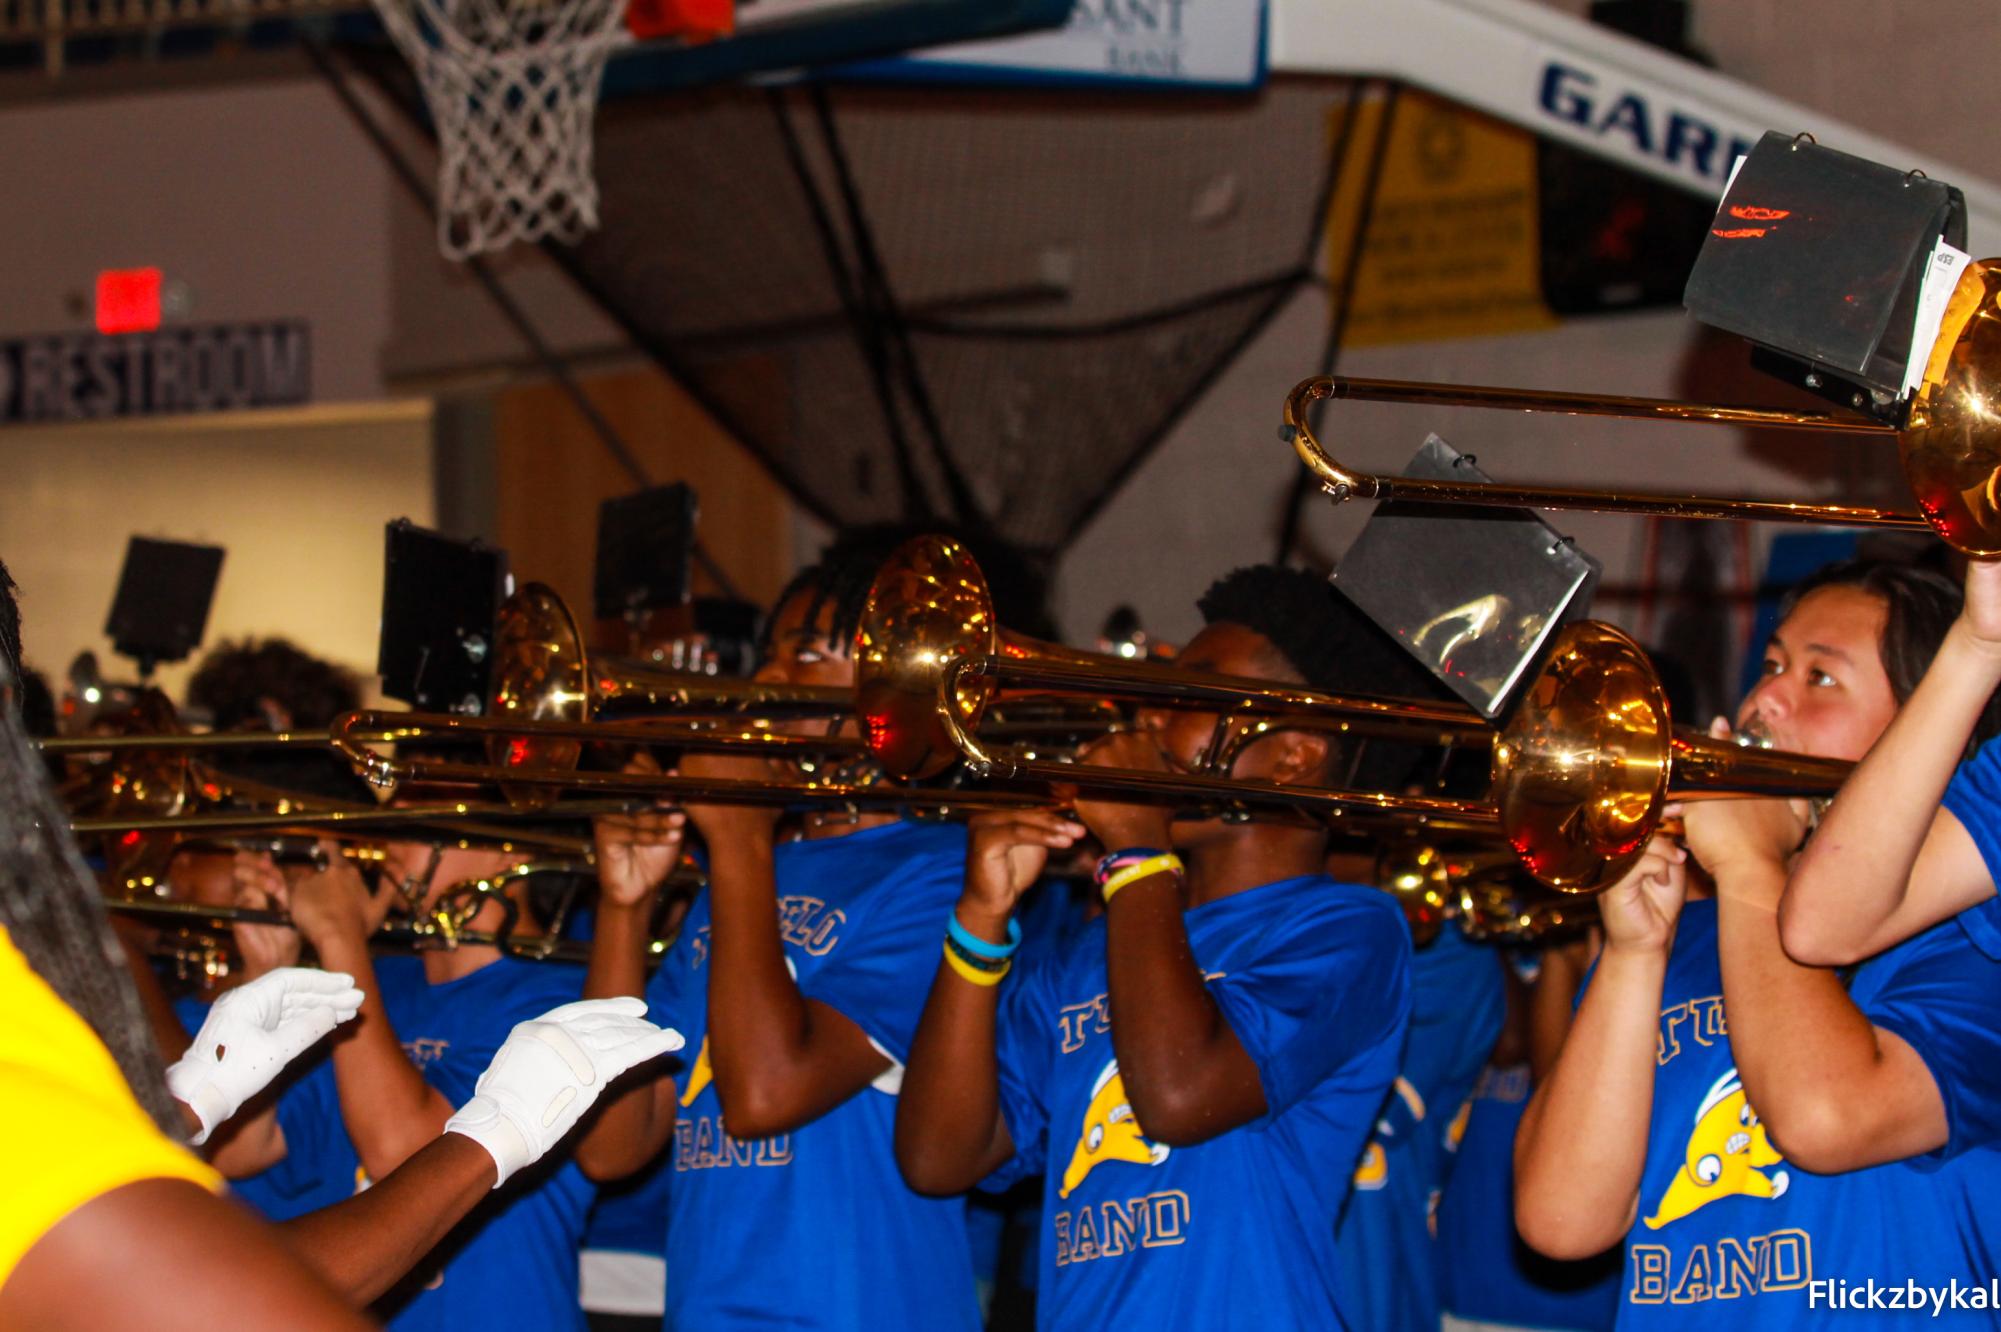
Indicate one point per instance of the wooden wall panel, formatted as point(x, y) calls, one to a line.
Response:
point(552, 472)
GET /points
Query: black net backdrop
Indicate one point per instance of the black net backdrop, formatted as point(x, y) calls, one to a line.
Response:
point(979, 307)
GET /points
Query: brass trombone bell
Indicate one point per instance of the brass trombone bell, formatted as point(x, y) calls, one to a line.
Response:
point(929, 607)
point(543, 676)
point(931, 663)
point(1950, 445)
point(1590, 757)
point(1481, 887)
point(931, 660)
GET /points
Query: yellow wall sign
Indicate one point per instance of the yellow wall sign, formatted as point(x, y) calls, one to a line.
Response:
point(1452, 246)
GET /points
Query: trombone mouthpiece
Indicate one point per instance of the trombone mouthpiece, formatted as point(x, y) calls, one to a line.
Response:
point(1754, 734)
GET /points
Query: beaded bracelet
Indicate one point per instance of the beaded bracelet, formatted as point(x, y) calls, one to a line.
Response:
point(1164, 863)
point(971, 973)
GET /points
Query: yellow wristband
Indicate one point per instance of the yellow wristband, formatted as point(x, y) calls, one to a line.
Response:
point(974, 974)
point(1144, 869)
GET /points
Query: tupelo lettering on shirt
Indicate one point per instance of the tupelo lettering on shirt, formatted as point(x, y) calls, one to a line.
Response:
point(1693, 1021)
point(807, 923)
point(425, 1051)
point(1077, 1023)
point(810, 924)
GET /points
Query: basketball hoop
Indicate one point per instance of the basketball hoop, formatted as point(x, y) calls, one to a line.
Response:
point(512, 86)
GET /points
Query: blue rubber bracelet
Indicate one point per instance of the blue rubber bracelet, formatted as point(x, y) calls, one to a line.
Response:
point(979, 947)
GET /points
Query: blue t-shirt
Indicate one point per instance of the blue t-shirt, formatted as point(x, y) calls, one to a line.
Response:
point(1386, 1238)
point(319, 1167)
point(630, 1216)
point(816, 1228)
point(1974, 797)
point(1313, 976)
point(1490, 1275)
point(1722, 1215)
point(513, 1262)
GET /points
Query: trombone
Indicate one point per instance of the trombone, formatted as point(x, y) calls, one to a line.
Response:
point(1949, 445)
point(927, 606)
point(930, 659)
point(549, 699)
point(1481, 889)
point(149, 805)
point(1581, 771)
point(196, 938)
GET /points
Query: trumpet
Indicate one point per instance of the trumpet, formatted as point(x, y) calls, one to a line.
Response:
point(1949, 444)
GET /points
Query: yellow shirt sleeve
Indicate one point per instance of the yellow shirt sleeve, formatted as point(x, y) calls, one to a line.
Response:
point(70, 1128)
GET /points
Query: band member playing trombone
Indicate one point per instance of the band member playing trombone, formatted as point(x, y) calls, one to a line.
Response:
point(1196, 1076)
point(1915, 837)
point(428, 1026)
point(1758, 1131)
point(798, 979)
point(252, 1151)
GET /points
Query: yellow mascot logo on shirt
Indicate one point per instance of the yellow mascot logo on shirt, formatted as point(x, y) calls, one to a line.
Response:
point(1373, 1170)
point(698, 1077)
point(1726, 1157)
point(1111, 1132)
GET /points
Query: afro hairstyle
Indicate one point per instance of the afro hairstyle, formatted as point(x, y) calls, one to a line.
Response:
point(838, 583)
point(1331, 646)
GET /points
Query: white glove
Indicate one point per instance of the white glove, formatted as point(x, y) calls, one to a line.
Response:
point(549, 1072)
point(251, 1033)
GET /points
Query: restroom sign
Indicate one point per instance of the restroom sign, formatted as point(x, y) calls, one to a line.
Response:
point(186, 368)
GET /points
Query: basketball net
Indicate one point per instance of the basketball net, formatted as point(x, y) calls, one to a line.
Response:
point(512, 86)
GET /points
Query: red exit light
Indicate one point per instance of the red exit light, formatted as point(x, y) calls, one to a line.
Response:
point(128, 300)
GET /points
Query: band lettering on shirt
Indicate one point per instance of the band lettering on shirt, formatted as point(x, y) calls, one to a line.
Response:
point(1116, 1229)
point(703, 1143)
point(1734, 1268)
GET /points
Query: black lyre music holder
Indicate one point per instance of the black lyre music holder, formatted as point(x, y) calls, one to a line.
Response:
point(646, 551)
point(1476, 595)
point(1817, 257)
point(439, 600)
point(160, 610)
